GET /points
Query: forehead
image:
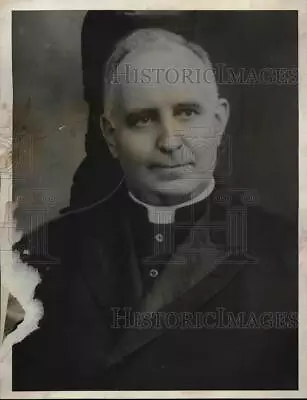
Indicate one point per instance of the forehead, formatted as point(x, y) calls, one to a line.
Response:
point(163, 55)
point(162, 76)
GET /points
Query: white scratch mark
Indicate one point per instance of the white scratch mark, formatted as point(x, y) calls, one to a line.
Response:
point(20, 280)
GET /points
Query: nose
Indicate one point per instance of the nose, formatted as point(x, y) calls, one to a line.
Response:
point(169, 138)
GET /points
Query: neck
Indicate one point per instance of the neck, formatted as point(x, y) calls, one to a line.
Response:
point(169, 200)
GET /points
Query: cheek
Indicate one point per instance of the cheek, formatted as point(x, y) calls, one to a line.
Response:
point(135, 147)
point(202, 127)
point(206, 157)
point(204, 149)
point(200, 133)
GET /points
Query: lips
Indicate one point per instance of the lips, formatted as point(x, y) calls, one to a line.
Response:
point(167, 166)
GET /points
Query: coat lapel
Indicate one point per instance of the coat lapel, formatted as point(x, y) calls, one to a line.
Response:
point(198, 270)
point(107, 261)
point(192, 300)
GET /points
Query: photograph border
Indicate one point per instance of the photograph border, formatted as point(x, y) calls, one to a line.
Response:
point(8, 235)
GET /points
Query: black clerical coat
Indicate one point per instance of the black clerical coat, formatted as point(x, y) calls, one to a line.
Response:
point(219, 311)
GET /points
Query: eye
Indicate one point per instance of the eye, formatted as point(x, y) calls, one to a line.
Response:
point(140, 119)
point(142, 122)
point(186, 114)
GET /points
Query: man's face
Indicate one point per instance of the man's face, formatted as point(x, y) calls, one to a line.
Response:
point(165, 134)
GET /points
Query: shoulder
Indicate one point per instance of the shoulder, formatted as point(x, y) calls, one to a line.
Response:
point(271, 231)
point(273, 242)
point(266, 237)
point(43, 246)
point(48, 243)
point(261, 231)
point(50, 232)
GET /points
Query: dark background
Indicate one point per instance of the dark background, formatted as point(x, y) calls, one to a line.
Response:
point(54, 71)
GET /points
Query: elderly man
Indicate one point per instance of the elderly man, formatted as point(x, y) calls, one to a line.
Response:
point(166, 283)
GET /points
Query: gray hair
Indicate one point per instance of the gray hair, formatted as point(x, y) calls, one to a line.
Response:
point(147, 39)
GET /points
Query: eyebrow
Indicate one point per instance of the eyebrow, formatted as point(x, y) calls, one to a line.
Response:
point(190, 104)
point(132, 115)
point(141, 111)
point(151, 110)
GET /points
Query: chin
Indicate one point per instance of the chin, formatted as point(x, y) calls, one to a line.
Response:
point(180, 187)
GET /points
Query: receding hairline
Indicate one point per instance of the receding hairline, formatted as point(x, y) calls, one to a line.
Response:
point(146, 40)
point(141, 52)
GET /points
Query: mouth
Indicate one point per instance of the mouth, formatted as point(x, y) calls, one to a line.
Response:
point(172, 172)
point(170, 166)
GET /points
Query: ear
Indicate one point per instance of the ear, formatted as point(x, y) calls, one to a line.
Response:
point(108, 132)
point(221, 116)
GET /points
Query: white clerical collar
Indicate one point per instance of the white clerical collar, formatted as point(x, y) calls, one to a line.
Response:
point(166, 214)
